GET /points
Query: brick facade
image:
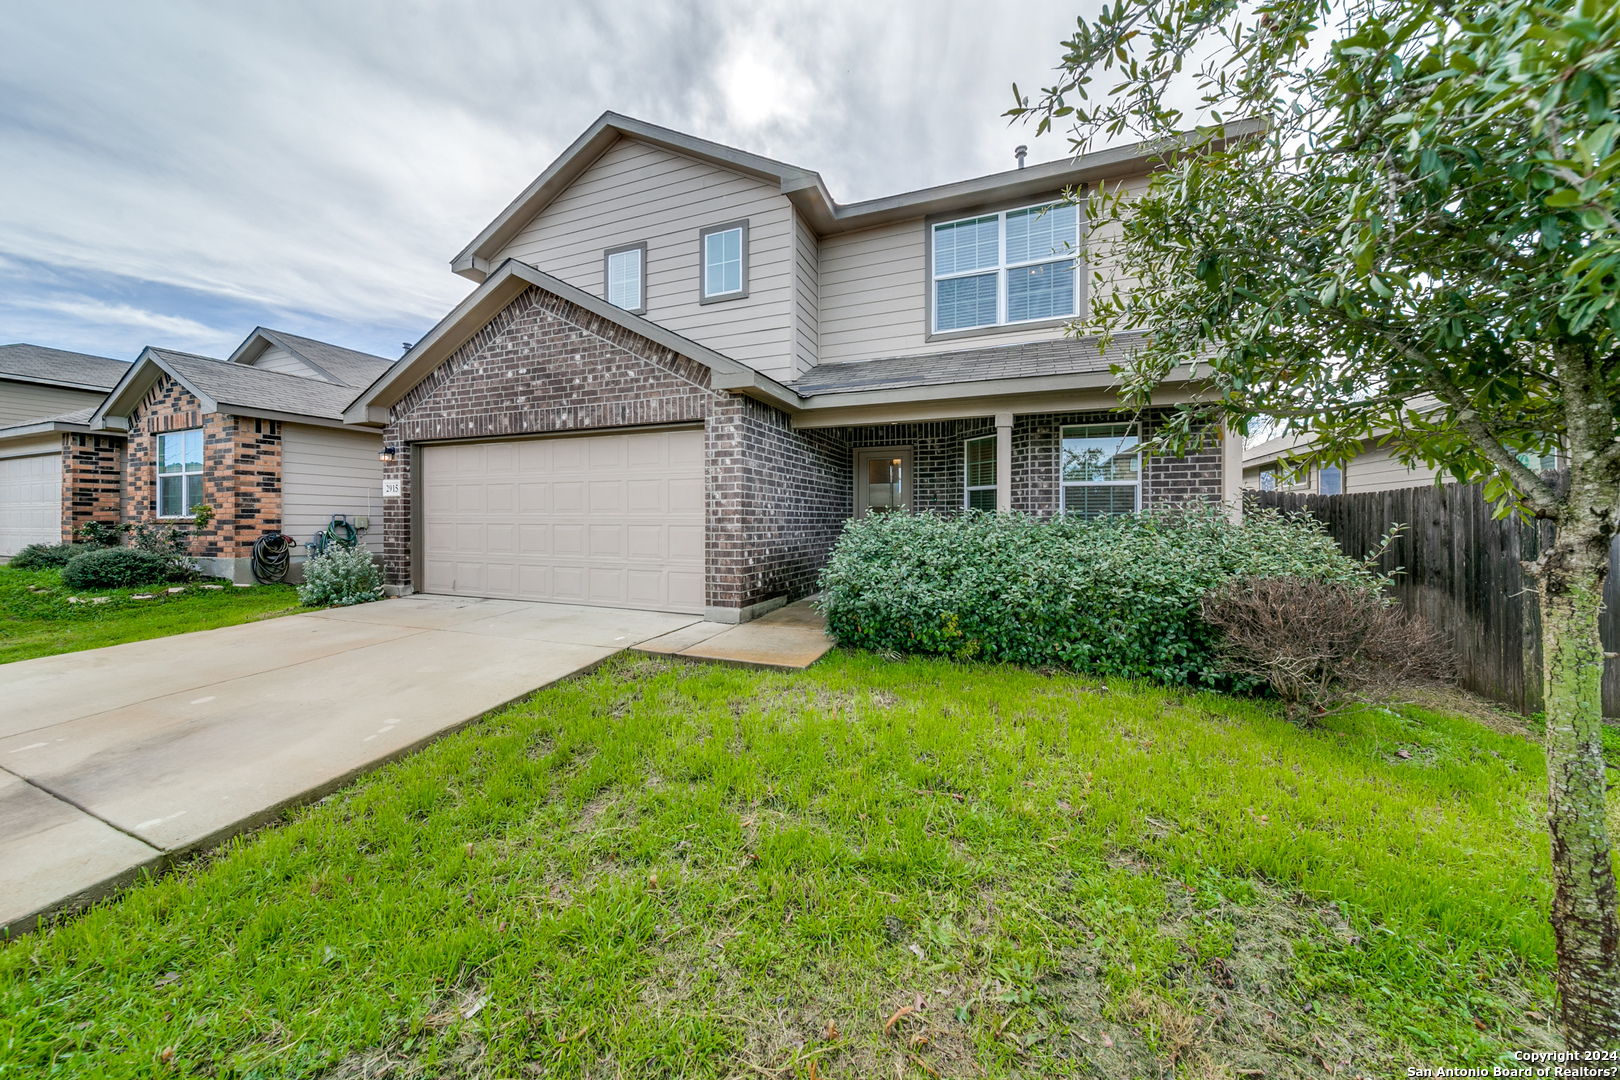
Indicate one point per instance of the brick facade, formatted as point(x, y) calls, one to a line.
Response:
point(92, 481)
point(241, 469)
point(776, 497)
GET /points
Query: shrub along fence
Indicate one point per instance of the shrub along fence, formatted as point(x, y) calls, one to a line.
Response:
point(1461, 570)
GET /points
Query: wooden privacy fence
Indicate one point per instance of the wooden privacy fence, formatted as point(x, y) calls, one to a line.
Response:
point(1461, 571)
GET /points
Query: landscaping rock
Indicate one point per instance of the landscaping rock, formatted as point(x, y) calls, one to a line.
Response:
point(210, 586)
point(177, 589)
point(242, 584)
point(141, 596)
point(100, 599)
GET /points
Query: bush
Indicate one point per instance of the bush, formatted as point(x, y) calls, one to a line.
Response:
point(1321, 645)
point(340, 577)
point(102, 533)
point(1116, 596)
point(48, 556)
point(115, 568)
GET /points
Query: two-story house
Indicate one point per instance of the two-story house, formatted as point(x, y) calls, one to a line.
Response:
point(686, 366)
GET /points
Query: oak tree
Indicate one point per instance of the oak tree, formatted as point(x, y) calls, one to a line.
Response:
point(1398, 221)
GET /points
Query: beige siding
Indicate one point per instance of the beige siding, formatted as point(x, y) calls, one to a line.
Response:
point(874, 298)
point(326, 471)
point(21, 401)
point(275, 358)
point(1378, 470)
point(636, 192)
point(1101, 259)
point(806, 296)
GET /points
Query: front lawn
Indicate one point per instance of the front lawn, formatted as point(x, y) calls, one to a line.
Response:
point(43, 623)
point(871, 868)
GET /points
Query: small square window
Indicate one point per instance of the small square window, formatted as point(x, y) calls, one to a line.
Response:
point(624, 270)
point(723, 257)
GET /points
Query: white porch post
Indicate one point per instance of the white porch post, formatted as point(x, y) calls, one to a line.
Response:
point(1004, 424)
point(1232, 473)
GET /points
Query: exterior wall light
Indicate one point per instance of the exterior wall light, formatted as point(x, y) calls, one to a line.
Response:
point(388, 454)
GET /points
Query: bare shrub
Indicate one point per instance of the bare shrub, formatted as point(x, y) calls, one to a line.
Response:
point(1321, 646)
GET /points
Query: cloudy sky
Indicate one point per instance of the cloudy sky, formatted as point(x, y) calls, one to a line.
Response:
point(177, 173)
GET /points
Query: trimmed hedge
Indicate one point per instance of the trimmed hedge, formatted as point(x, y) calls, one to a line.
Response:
point(115, 568)
point(48, 556)
point(1117, 596)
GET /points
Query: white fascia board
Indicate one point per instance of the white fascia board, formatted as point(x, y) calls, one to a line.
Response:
point(42, 427)
point(824, 410)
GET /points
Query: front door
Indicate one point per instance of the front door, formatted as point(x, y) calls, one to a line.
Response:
point(883, 480)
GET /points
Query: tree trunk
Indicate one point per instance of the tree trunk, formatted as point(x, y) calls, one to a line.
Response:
point(1583, 907)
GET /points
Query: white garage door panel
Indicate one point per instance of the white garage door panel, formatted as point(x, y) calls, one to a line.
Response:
point(30, 501)
point(613, 520)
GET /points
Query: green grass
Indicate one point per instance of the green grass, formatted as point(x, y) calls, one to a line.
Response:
point(676, 870)
point(43, 623)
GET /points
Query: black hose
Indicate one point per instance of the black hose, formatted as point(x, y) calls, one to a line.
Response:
point(271, 558)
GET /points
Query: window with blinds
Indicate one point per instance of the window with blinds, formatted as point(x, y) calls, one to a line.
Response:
point(1005, 268)
point(980, 455)
point(1101, 470)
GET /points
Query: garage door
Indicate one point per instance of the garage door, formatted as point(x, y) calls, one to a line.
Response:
point(612, 520)
point(30, 501)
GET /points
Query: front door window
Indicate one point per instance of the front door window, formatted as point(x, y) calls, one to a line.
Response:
point(882, 480)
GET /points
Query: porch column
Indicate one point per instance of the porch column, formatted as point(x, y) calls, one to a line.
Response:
point(1004, 423)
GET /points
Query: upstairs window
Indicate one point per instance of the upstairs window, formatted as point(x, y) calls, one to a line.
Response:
point(723, 251)
point(1101, 470)
point(1006, 268)
point(981, 473)
point(625, 271)
point(180, 472)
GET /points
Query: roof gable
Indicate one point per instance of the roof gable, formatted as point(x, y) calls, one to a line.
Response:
point(804, 187)
point(317, 359)
point(221, 386)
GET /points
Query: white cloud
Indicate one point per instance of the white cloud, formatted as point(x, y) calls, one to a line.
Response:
point(329, 159)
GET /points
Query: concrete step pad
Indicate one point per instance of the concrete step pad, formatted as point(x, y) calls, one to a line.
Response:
point(788, 639)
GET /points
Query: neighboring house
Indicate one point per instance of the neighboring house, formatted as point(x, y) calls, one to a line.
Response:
point(685, 367)
point(259, 437)
point(1375, 468)
point(36, 383)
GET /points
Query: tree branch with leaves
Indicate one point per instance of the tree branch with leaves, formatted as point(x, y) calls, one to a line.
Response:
point(1416, 246)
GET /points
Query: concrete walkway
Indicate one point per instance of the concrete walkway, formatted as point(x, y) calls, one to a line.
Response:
point(119, 760)
point(790, 638)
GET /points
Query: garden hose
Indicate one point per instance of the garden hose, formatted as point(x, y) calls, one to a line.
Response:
point(271, 558)
point(340, 524)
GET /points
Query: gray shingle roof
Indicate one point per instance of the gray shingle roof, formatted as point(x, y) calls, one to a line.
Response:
point(59, 366)
point(352, 368)
point(1069, 356)
point(255, 388)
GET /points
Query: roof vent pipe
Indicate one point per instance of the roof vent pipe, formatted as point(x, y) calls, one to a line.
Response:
point(1019, 154)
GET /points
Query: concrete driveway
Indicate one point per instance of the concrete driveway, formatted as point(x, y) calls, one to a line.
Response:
point(121, 759)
